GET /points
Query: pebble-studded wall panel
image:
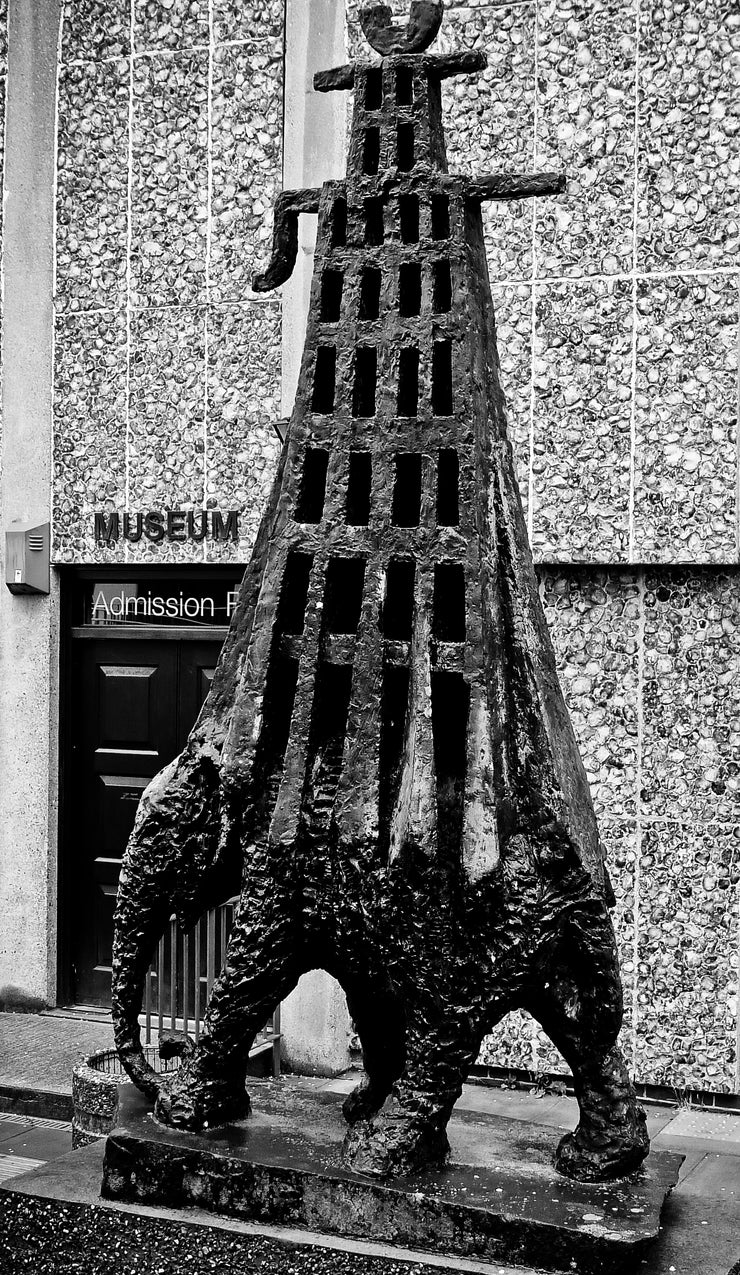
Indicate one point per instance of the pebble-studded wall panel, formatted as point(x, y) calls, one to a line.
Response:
point(167, 377)
point(622, 298)
point(649, 663)
point(617, 311)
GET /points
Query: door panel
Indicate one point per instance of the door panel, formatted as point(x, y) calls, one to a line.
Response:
point(197, 665)
point(127, 697)
point(133, 704)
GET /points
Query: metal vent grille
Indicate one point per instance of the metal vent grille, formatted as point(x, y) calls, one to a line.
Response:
point(36, 543)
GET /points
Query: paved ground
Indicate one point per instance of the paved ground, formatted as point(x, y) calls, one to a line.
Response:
point(702, 1218)
point(27, 1141)
point(38, 1051)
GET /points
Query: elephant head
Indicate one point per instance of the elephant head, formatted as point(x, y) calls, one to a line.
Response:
point(175, 862)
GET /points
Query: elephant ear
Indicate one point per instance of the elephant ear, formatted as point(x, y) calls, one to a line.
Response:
point(197, 817)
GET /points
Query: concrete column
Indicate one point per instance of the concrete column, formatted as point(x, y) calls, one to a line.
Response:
point(28, 625)
point(315, 1021)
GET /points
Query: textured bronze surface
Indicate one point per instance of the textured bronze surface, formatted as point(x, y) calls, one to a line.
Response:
point(385, 37)
point(385, 765)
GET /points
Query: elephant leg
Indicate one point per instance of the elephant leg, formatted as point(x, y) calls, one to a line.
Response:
point(380, 1024)
point(262, 967)
point(409, 1134)
point(578, 1001)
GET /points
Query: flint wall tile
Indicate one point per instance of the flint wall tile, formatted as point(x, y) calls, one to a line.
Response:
point(691, 749)
point(686, 420)
point(3, 37)
point(95, 29)
point(511, 1044)
point(244, 356)
point(581, 464)
point(92, 185)
point(513, 308)
point(89, 430)
point(688, 949)
point(594, 621)
point(170, 174)
point(167, 420)
point(689, 173)
point(170, 24)
point(259, 22)
point(585, 127)
point(489, 120)
point(246, 160)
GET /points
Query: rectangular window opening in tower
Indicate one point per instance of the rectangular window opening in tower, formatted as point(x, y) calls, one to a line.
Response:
point(406, 508)
point(332, 283)
point(339, 223)
point(442, 287)
point(442, 378)
point(405, 147)
point(407, 403)
point(448, 478)
point(404, 86)
point(371, 151)
point(324, 380)
point(345, 579)
point(282, 679)
point(329, 714)
point(374, 89)
point(359, 487)
point(294, 593)
point(450, 708)
point(449, 602)
point(366, 378)
point(409, 288)
point(408, 212)
point(440, 217)
point(374, 229)
point(370, 282)
point(394, 703)
point(398, 603)
point(310, 507)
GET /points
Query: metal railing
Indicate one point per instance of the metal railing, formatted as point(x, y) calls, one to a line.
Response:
point(179, 981)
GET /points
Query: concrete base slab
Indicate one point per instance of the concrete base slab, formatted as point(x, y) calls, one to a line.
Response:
point(53, 1222)
point(499, 1200)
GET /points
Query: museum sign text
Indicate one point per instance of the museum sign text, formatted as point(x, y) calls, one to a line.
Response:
point(168, 524)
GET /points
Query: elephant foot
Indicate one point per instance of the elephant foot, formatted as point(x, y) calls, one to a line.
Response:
point(600, 1157)
point(192, 1103)
point(394, 1145)
point(364, 1101)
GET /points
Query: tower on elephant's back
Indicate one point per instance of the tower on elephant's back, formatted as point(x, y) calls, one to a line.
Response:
point(385, 759)
point(385, 494)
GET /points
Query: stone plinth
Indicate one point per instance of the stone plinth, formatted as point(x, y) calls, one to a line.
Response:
point(499, 1200)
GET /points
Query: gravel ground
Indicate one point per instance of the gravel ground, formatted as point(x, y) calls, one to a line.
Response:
point(78, 1241)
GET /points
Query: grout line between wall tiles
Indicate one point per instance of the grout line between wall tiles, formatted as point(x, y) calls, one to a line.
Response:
point(633, 369)
point(249, 43)
point(187, 306)
point(737, 998)
point(533, 292)
point(737, 449)
point(209, 215)
point(638, 812)
point(648, 276)
point(129, 235)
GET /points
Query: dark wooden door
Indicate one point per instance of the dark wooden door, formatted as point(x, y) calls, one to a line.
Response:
point(133, 703)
